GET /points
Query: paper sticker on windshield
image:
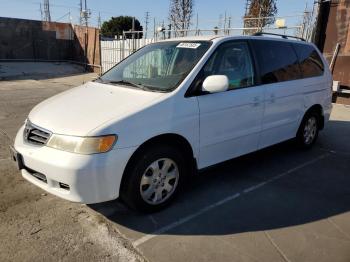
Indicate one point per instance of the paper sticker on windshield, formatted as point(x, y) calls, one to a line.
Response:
point(188, 45)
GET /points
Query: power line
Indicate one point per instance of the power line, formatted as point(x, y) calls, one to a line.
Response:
point(63, 16)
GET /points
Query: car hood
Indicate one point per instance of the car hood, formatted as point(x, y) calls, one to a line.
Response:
point(82, 109)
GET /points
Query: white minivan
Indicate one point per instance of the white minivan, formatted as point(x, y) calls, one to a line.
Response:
point(169, 109)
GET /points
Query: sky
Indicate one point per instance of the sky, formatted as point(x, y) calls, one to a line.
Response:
point(209, 11)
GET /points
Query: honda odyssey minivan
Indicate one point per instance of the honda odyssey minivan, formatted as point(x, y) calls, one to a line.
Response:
point(169, 109)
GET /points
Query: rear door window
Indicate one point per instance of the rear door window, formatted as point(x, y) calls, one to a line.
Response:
point(310, 62)
point(277, 61)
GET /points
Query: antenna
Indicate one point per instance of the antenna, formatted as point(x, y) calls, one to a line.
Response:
point(146, 23)
point(47, 15)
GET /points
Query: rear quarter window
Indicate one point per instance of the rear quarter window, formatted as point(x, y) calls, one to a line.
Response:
point(310, 62)
point(277, 61)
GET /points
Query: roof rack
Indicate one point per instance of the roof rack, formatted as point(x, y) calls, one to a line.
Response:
point(283, 36)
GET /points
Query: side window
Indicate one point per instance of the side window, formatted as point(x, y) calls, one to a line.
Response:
point(233, 60)
point(277, 61)
point(310, 62)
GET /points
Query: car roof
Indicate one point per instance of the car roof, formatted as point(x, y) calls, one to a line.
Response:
point(220, 38)
point(193, 38)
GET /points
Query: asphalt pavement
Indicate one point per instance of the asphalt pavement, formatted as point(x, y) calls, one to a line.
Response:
point(278, 204)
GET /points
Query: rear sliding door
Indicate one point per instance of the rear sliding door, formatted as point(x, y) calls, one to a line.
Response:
point(281, 76)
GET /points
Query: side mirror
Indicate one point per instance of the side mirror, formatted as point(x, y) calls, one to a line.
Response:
point(215, 84)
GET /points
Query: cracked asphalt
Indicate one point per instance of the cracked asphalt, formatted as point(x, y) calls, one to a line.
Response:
point(35, 226)
point(278, 204)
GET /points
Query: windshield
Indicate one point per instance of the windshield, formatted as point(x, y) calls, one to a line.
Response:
point(157, 67)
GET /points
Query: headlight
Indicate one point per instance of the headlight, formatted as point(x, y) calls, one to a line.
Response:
point(82, 145)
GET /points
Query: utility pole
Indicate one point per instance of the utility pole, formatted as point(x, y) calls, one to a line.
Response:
point(81, 12)
point(84, 20)
point(47, 15)
point(225, 23)
point(41, 13)
point(133, 34)
point(146, 23)
point(163, 29)
point(133, 24)
point(99, 23)
point(154, 28)
point(259, 21)
point(85, 14)
point(246, 14)
point(229, 25)
point(220, 21)
point(169, 31)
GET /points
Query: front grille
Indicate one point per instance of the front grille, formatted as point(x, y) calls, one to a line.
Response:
point(35, 135)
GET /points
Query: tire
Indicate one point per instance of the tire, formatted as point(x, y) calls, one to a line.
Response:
point(154, 178)
point(308, 130)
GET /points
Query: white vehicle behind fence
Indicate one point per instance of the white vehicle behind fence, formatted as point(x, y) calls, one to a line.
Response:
point(139, 131)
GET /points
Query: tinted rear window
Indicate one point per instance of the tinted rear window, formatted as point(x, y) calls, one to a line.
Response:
point(310, 62)
point(277, 61)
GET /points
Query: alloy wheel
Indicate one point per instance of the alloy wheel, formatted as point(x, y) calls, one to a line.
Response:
point(310, 130)
point(159, 181)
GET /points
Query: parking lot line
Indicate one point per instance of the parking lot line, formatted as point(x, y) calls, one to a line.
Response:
point(207, 208)
point(279, 250)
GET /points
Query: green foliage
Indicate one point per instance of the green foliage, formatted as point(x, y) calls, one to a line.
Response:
point(266, 9)
point(116, 26)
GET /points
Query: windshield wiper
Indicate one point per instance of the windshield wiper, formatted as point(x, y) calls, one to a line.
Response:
point(124, 82)
point(128, 83)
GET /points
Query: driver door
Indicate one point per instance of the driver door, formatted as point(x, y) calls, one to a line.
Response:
point(230, 121)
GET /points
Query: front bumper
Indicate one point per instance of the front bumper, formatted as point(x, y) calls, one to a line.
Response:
point(78, 178)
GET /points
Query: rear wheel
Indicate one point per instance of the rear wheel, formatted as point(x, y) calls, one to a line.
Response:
point(154, 178)
point(308, 130)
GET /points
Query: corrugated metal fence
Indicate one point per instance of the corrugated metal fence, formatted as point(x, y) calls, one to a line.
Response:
point(112, 52)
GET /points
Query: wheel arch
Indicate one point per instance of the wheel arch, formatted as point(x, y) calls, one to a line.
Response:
point(164, 139)
point(319, 110)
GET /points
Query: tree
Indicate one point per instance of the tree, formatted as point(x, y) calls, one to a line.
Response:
point(116, 25)
point(180, 14)
point(264, 10)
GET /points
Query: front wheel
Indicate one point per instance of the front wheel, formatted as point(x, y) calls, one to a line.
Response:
point(308, 130)
point(154, 178)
